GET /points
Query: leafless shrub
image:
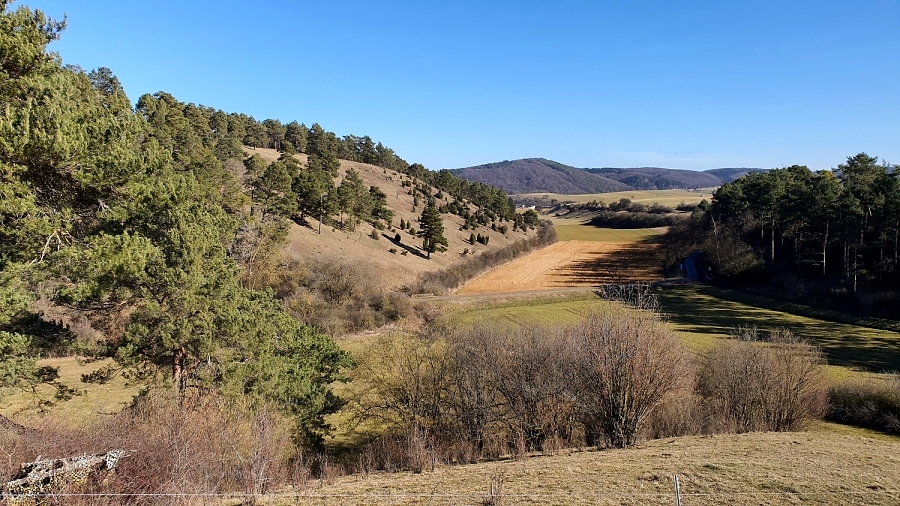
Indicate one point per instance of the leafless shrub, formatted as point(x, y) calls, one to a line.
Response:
point(869, 402)
point(637, 295)
point(338, 296)
point(626, 362)
point(524, 378)
point(728, 254)
point(750, 385)
point(679, 414)
point(484, 390)
point(182, 448)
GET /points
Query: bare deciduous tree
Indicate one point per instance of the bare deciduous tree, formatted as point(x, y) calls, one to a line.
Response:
point(626, 362)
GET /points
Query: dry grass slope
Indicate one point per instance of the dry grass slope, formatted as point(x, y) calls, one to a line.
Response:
point(393, 269)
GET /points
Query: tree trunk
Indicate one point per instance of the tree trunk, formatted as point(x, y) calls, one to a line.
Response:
point(846, 266)
point(178, 368)
point(772, 244)
point(896, 235)
point(824, 249)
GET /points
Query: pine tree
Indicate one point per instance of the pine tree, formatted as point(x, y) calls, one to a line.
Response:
point(432, 230)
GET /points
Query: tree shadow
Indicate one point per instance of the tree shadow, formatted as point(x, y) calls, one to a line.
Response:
point(697, 310)
point(411, 249)
point(639, 261)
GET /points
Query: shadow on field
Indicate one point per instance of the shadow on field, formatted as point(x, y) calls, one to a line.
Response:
point(639, 261)
point(697, 309)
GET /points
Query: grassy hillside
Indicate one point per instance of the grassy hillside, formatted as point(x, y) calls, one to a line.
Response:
point(392, 269)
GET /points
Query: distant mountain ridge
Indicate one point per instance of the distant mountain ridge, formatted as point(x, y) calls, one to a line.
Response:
point(530, 175)
point(536, 175)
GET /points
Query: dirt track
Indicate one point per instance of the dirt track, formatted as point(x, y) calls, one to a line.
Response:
point(572, 264)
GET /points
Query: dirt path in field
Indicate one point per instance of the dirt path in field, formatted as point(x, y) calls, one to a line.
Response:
point(571, 264)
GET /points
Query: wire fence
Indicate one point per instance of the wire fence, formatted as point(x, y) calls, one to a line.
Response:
point(485, 498)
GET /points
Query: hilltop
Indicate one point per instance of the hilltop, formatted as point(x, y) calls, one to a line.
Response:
point(531, 175)
point(536, 175)
point(657, 178)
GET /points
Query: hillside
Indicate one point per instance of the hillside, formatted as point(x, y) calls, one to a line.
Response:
point(531, 175)
point(392, 269)
point(656, 178)
point(539, 175)
point(727, 175)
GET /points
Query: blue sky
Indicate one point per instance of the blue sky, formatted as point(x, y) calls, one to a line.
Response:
point(691, 85)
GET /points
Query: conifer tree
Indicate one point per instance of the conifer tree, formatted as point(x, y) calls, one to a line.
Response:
point(431, 230)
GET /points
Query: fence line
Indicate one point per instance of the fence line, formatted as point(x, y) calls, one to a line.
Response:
point(303, 495)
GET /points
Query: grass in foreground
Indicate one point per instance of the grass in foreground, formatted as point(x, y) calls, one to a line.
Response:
point(819, 467)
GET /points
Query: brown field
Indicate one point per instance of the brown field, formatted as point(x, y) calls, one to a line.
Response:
point(572, 264)
point(830, 465)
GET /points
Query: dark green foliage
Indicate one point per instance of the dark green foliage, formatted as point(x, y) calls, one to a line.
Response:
point(131, 219)
point(353, 199)
point(380, 210)
point(834, 226)
point(272, 189)
point(610, 219)
point(432, 230)
point(530, 217)
point(314, 187)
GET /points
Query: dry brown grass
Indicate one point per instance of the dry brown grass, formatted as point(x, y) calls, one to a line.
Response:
point(759, 468)
point(303, 242)
point(94, 399)
point(572, 264)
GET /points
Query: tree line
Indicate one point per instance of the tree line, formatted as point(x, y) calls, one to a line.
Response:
point(839, 225)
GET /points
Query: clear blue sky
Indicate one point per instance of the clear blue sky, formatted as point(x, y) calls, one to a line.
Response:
point(679, 84)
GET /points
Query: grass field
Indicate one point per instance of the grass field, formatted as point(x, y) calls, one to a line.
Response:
point(567, 231)
point(701, 314)
point(825, 466)
point(666, 197)
point(532, 311)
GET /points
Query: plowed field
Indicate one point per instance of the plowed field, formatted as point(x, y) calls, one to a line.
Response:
point(573, 264)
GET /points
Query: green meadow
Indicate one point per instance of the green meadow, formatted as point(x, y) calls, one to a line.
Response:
point(701, 314)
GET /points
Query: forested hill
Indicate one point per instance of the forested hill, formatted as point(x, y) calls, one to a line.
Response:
point(655, 178)
point(727, 175)
point(531, 175)
point(535, 175)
